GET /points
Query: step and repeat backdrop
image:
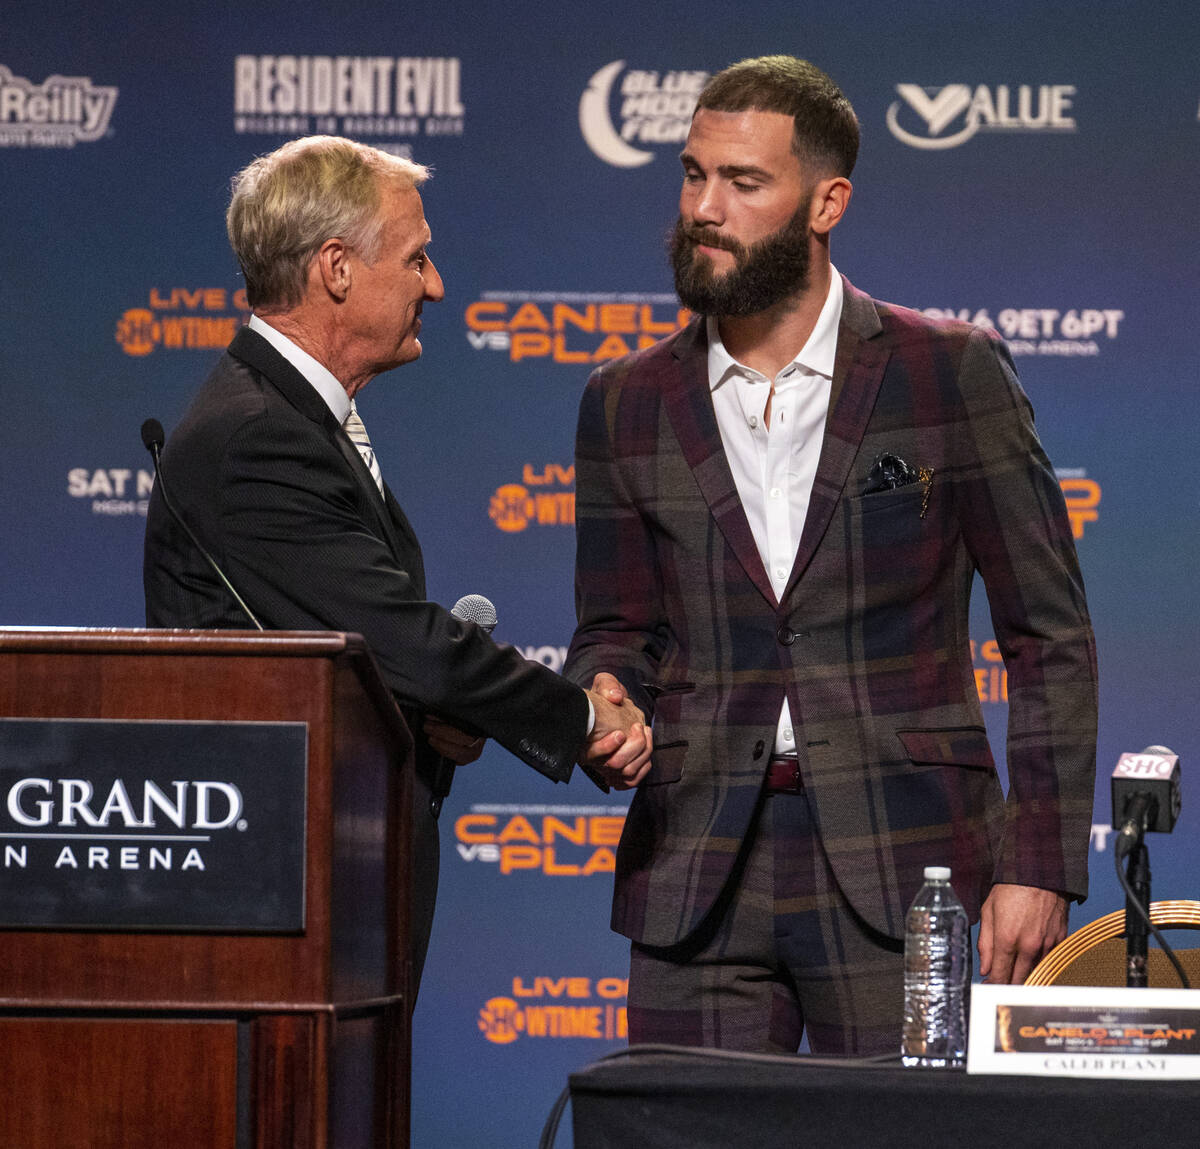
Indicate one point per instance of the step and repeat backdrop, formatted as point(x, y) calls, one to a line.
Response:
point(1031, 170)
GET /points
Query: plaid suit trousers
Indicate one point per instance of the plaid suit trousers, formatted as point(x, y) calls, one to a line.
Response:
point(781, 952)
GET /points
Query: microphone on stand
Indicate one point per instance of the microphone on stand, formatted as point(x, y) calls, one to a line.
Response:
point(479, 610)
point(1145, 796)
point(153, 439)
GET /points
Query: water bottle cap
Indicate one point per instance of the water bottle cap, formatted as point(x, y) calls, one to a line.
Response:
point(937, 873)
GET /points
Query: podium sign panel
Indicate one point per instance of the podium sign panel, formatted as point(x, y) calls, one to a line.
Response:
point(204, 891)
point(114, 824)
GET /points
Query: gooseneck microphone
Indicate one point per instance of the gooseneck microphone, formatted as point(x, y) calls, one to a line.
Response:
point(479, 610)
point(153, 439)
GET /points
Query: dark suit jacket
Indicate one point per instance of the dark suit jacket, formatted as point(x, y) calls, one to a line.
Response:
point(268, 481)
point(870, 641)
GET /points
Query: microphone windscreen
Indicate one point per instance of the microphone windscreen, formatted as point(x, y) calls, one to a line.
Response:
point(152, 434)
point(477, 609)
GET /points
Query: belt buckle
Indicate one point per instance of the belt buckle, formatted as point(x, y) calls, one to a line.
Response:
point(783, 776)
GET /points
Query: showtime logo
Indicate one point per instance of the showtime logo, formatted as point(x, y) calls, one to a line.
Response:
point(57, 113)
point(929, 112)
point(557, 1007)
point(653, 110)
point(182, 319)
point(538, 498)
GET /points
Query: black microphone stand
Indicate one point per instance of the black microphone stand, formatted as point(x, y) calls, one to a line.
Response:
point(1136, 928)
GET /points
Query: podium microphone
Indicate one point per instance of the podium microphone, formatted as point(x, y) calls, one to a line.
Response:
point(479, 610)
point(153, 439)
point(1145, 796)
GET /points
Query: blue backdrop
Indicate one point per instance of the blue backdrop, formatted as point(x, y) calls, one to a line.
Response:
point(1033, 170)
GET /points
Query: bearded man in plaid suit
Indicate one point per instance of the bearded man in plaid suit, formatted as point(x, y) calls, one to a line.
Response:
point(781, 510)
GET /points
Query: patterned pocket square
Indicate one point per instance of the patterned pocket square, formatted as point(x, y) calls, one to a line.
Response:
point(890, 471)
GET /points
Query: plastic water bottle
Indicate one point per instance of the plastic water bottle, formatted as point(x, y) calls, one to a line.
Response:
point(936, 963)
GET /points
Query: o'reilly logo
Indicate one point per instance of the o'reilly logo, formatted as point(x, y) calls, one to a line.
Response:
point(57, 113)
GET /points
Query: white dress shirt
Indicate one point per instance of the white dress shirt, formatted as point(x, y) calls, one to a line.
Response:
point(774, 467)
point(316, 373)
point(334, 395)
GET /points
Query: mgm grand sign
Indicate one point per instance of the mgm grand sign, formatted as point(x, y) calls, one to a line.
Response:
point(152, 825)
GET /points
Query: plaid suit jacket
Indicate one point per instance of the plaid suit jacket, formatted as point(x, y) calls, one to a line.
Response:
point(869, 642)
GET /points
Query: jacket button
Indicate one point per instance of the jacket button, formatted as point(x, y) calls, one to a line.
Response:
point(759, 747)
point(786, 635)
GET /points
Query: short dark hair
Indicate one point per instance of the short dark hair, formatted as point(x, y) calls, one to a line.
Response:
point(825, 133)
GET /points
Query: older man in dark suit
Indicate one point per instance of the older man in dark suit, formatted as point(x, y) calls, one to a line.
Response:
point(272, 469)
point(781, 510)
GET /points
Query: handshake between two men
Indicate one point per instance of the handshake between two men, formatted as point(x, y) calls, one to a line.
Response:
point(616, 753)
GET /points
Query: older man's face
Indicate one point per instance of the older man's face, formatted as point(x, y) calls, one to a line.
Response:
point(386, 296)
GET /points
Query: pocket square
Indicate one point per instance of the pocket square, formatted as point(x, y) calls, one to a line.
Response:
point(889, 472)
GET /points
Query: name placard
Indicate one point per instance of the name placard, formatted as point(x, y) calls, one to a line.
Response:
point(147, 825)
point(1084, 1031)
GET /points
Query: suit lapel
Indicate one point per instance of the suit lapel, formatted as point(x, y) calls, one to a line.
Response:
point(388, 523)
point(256, 352)
point(857, 373)
point(689, 405)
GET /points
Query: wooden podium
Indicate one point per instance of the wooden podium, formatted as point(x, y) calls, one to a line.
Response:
point(171, 1037)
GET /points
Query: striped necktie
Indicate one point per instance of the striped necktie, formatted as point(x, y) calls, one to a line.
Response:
point(353, 426)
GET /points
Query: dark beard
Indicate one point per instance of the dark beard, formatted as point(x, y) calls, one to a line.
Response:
point(765, 273)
